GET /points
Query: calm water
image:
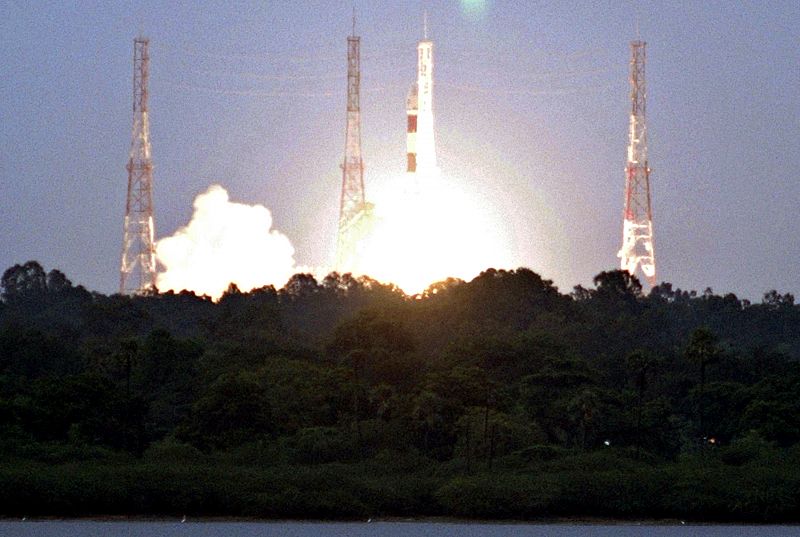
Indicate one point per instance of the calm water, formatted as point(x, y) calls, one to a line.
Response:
point(376, 529)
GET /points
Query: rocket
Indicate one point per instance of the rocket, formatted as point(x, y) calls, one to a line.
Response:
point(420, 145)
point(411, 130)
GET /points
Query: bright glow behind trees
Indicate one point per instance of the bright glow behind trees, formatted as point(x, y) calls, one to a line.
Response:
point(430, 232)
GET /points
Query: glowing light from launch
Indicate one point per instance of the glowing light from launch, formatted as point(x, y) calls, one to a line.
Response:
point(225, 242)
point(431, 232)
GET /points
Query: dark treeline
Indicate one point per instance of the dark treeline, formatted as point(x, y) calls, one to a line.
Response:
point(496, 398)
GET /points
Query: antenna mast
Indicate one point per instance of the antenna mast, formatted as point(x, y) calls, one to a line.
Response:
point(138, 268)
point(354, 211)
point(637, 231)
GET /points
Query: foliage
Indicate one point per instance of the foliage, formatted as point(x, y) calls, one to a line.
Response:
point(498, 397)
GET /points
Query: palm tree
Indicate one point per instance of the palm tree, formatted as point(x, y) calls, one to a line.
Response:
point(639, 364)
point(702, 351)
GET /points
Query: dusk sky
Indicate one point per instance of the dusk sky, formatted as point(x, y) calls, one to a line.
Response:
point(531, 105)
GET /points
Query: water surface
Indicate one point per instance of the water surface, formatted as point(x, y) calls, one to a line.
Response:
point(375, 529)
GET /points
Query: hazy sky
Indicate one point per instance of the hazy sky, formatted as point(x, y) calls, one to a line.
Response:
point(531, 108)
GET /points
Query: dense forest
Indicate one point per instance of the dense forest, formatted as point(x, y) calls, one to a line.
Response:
point(501, 397)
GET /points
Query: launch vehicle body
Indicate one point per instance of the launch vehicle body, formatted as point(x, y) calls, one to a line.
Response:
point(421, 148)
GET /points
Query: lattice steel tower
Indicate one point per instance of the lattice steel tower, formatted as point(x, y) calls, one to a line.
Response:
point(138, 269)
point(354, 211)
point(637, 231)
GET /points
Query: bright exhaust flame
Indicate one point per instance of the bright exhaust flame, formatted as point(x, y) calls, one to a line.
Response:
point(428, 229)
point(224, 243)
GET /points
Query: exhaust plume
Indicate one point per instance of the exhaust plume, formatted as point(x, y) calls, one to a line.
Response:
point(429, 228)
point(224, 243)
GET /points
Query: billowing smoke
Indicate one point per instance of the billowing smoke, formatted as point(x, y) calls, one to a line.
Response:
point(224, 243)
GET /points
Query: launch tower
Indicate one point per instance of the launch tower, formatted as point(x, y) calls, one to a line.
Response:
point(637, 231)
point(138, 269)
point(354, 211)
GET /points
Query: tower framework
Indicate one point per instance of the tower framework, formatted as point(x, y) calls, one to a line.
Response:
point(637, 229)
point(138, 268)
point(354, 211)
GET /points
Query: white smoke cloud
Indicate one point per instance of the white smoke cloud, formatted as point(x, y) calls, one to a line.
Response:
point(225, 242)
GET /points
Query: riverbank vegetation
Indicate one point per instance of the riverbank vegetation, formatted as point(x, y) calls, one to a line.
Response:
point(343, 398)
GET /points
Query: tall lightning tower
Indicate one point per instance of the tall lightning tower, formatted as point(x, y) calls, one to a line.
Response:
point(138, 269)
point(354, 211)
point(637, 228)
point(421, 146)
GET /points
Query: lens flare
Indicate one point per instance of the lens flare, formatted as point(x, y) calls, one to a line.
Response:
point(427, 228)
point(473, 8)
